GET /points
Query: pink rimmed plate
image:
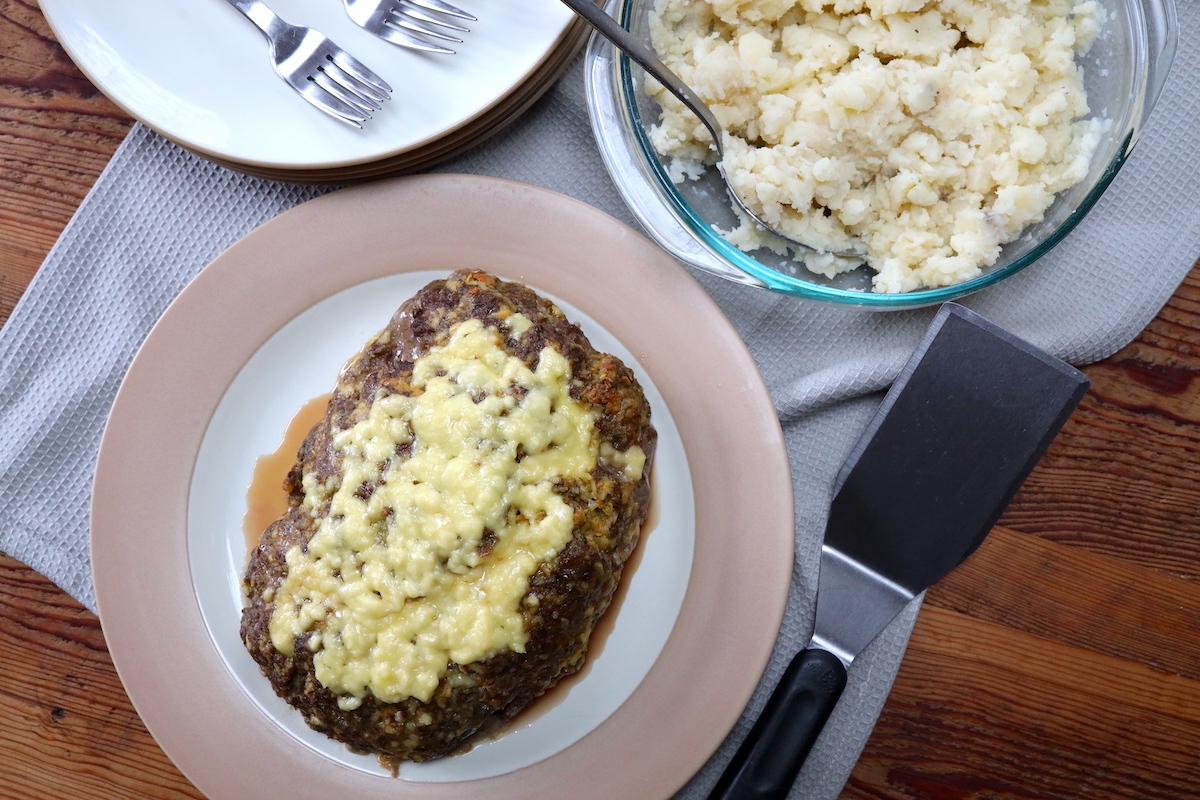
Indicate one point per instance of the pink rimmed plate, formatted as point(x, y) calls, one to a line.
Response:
point(265, 327)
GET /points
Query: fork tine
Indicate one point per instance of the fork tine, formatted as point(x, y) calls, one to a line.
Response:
point(364, 92)
point(376, 86)
point(320, 97)
point(418, 14)
point(399, 37)
point(445, 8)
point(340, 87)
point(402, 21)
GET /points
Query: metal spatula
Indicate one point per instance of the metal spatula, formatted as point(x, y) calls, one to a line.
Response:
point(969, 416)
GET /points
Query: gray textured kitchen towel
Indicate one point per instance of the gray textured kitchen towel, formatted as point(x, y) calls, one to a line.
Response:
point(158, 214)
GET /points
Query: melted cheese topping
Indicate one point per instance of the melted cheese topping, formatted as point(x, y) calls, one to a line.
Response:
point(433, 565)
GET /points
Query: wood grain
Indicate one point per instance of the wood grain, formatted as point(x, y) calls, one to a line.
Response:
point(1149, 617)
point(67, 728)
point(1121, 478)
point(1061, 661)
point(56, 134)
point(984, 711)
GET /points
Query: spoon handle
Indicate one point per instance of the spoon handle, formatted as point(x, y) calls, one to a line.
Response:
point(645, 57)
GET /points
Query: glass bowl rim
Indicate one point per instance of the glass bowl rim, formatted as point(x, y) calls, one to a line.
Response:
point(787, 284)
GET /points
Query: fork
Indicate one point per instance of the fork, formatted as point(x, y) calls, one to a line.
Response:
point(408, 22)
point(323, 73)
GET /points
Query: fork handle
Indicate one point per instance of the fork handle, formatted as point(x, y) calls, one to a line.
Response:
point(257, 12)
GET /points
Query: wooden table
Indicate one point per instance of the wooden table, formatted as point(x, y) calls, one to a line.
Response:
point(1061, 661)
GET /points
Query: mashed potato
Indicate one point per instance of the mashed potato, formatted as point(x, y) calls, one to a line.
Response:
point(922, 134)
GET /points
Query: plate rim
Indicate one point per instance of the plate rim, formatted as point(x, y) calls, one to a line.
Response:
point(153, 625)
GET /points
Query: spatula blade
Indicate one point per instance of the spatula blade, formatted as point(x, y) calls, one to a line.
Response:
point(955, 437)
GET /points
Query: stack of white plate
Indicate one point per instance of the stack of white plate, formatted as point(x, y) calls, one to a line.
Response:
point(200, 74)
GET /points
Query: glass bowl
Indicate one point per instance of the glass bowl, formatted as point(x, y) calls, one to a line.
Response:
point(1124, 71)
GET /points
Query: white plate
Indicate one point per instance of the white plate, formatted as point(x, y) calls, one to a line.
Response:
point(299, 363)
point(200, 73)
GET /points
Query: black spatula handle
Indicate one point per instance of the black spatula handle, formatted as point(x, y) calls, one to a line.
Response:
point(767, 763)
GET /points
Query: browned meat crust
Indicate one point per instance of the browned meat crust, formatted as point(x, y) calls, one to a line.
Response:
point(573, 590)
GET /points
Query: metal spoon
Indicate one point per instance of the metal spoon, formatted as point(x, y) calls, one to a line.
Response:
point(645, 57)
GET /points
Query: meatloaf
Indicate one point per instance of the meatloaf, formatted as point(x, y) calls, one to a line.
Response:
point(401, 607)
